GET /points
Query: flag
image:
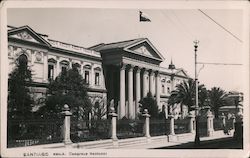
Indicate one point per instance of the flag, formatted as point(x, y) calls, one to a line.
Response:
point(144, 17)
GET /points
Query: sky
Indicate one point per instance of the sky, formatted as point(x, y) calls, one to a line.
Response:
point(171, 31)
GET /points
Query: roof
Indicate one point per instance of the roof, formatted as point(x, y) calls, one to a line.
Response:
point(126, 46)
point(177, 71)
point(52, 44)
point(116, 45)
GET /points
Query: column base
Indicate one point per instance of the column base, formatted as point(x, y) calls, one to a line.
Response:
point(67, 143)
point(148, 139)
point(114, 138)
point(172, 138)
point(210, 133)
point(115, 143)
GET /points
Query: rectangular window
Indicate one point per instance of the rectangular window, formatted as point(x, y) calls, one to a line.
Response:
point(86, 77)
point(64, 68)
point(163, 89)
point(97, 79)
point(50, 71)
point(168, 90)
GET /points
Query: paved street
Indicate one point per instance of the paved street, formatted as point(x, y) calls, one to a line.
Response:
point(222, 143)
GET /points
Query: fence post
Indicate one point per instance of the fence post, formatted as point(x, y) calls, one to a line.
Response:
point(146, 124)
point(66, 130)
point(171, 124)
point(191, 123)
point(210, 126)
point(223, 117)
point(113, 116)
point(172, 136)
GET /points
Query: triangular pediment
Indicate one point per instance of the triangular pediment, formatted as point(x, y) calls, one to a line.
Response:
point(145, 48)
point(181, 72)
point(27, 34)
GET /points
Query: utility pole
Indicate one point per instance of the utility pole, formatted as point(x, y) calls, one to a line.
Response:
point(197, 135)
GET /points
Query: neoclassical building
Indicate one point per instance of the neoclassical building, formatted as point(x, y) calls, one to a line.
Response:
point(121, 72)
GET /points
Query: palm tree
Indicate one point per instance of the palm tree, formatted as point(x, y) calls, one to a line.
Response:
point(217, 98)
point(184, 94)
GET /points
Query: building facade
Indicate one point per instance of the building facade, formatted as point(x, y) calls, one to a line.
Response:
point(121, 73)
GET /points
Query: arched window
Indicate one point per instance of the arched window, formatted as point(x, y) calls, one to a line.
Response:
point(51, 68)
point(97, 75)
point(86, 73)
point(64, 65)
point(76, 66)
point(22, 60)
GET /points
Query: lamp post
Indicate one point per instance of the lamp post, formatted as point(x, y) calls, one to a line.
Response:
point(197, 135)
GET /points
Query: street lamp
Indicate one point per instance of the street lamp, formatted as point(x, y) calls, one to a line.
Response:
point(197, 135)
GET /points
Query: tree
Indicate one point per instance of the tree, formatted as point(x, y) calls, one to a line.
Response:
point(68, 88)
point(217, 98)
point(19, 95)
point(184, 94)
point(150, 103)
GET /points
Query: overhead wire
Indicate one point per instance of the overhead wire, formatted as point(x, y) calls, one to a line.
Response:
point(220, 25)
point(207, 63)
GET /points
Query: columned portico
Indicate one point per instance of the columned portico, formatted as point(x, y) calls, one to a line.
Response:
point(137, 62)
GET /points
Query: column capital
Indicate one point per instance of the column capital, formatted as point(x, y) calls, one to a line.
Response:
point(145, 71)
point(138, 69)
point(123, 66)
point(131, 67)
point(151, 72)
point(157, 73)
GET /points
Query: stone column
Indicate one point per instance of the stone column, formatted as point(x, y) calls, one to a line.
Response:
point(145, 83)
point(130, 93)
point(191, 123)
point(45, 67)
point(66, 130)
point(122, 91)
point(138, 90)
point(157, 91)
point(151, 77)
point(146, 124)
point(171, 124)
point(210, 127)
point(113, 116)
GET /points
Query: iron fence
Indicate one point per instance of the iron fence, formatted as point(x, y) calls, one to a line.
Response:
point(181, 126)
point(218, 124)
point(34, 132)
point(129, 128)
point(90, 130)
point(203, 127)
point(159, 127)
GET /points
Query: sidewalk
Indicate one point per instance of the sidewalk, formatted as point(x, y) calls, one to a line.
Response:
point(164, 145)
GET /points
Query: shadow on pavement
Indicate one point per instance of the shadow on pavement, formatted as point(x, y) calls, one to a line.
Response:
point(223, 143)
